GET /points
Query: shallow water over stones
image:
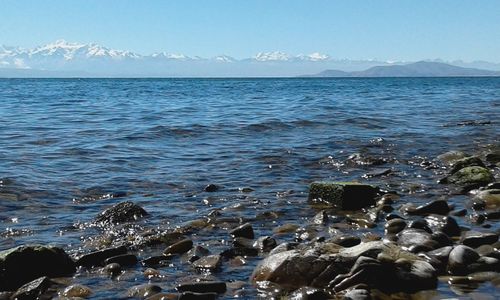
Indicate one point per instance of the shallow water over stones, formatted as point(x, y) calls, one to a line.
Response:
point(205, 157)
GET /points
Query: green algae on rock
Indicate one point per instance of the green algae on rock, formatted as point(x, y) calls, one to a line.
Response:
point(344, 195)
point(473, 175)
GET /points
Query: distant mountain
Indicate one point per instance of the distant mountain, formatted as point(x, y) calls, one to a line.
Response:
point(66, 59)
point(417, 69)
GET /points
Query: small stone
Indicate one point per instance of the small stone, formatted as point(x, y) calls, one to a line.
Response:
point(179, 247)
point(211, 188)
point(345, 195)
point(475, 239)
point(412, 237)
point(113, 269)
point(320, 218)
point(490, 198)
point(143, 290)
point(445, 224)
point(203, 287)
point(33, 289)
point(196, 253)
point(210, 262)
point(439, 207)
point(286, 228)
point(120, 213)
point(394, 226)
point(265, 243)
point(460, 258)
point(123, 260)
point(451, 156)
point(239, 251)
point(346, 240)
point(245, 231)
point(97, 258)
point(77, 290)
point(154, 261)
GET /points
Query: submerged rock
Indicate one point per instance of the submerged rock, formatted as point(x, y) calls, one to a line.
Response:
point(120, 213)
point(33, 289)
point(344, 195)
point(22, 264)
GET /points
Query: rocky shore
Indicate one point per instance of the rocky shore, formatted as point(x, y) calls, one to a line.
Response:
point(420, 246)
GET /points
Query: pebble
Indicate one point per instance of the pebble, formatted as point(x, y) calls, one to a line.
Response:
point(150, 272)
point(113, 269)
point(77, 290)
point(196, 253)
point(475, 239)
point(143, 290)
point(245, 231)
point(210, 262)
point(460, 258)
point(154, 261)
point(265, 243)
point(394, 226)
point(96, 258)
point(439, 207)
point(180, 247)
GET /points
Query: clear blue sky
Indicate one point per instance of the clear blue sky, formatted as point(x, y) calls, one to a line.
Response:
point(360, 29)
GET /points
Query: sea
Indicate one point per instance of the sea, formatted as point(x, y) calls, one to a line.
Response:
point(70, 148)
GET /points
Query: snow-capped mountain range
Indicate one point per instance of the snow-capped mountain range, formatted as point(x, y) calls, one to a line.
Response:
point(62, 58)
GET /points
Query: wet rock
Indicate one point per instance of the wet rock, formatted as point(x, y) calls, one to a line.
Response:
point(447, 225)
point(240, 242)
point(308, 293)
point(97, 258)
point(320, 218)
point(150, 273)
point(123, 260)
point(460, 258)
point(197, 296)
point(77, 290)
point(364, 160)
point(210, 263)
point(218, 287)
point(420, 224)
point(284, 247)
point(476, 176)
point(265, 243)
point(196, 253)
point(368, 249)
point(439, 207)
point(413, 237)
point(475, 239)
point(211, 188)
point(154, 261)
point(493, 157)
point(451, 156)
point(113, 269)
point(120, 213)
point(357, 294)
point(239, 251)
point(442, 254)
point(484, 264)
point(245, 231)
point(472, 161)
point(489, 198)
point(345, 240)
point(163, 296)
point(35, 261)
point(180, 247)
point(394, 226)
point(143, 290)
point(345, 195)
point(33, 289)
point(286, 228)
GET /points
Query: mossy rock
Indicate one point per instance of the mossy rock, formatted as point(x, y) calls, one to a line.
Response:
point(23, 264)
point(344, 195)
point(471, 176)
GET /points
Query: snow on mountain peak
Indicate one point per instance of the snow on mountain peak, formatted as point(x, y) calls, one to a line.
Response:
point(272, 56)
point(316, 56)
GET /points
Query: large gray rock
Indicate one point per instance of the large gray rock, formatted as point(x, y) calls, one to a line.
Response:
point(23, 264)
point(344, 195)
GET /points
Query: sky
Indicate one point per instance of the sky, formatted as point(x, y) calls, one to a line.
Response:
point(401, 30)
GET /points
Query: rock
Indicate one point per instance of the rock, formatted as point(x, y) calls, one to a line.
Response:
point(439, 207)
point(378, 173)
point(442, 254)
point(6, 295)
point(357, 294)
point(345, 195)
point(77, 290)
point(345, 240)
point(460, 258)
point(308, 293)
point(413, 237)
point(286, 228)
point(477, 176)
point(493, 157)
point(23, 264)
point(120, 213)
point(143, 290)
point(33, 289)
point(239, 251)
point(179, 247)
point(394, 226)
point(151, 273)
point(123, 260)
point(420, 224)
point(490, 198)
point(265, 243)
point(447, 225)
point(320, 218)
point(245, 231)
point(471, 161)
point(196, 253)
point(364, 160)
point(484, 264)
point(154, 261)
point(284, 247)
point(210, 263)
point(211, 188)
point(451, 156)
point(368, 249)
point(97, 258)
point(113, 269)
point(197, 296)
point(475, 239)
point(218, 287)
point(240, 242)
point(164, 296)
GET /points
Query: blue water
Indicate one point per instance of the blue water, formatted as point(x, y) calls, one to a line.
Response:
point(66, 145)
